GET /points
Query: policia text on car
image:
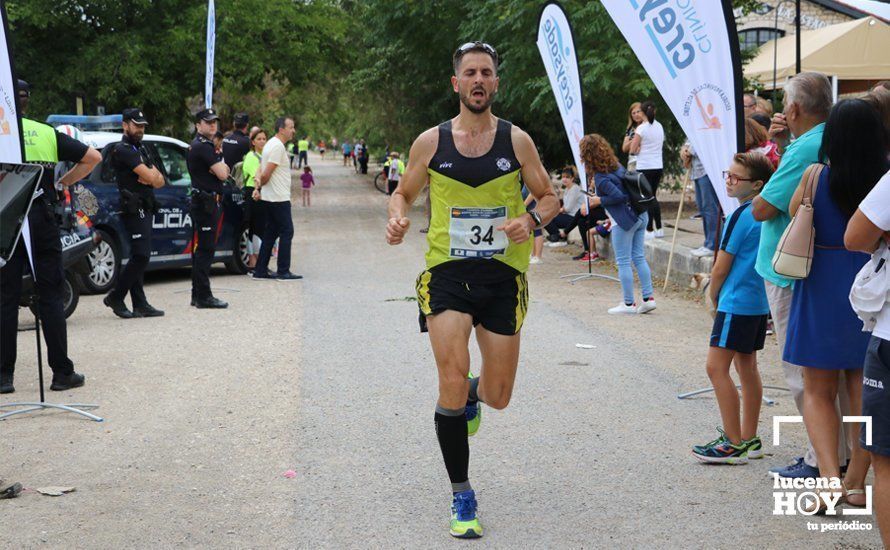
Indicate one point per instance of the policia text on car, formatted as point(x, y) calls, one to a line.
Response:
point(136, 180)
point(45, 146)
point(208, 172)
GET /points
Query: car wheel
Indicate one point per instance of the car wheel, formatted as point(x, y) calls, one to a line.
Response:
point(70, 295)
point(105, 265)
point(237, 264)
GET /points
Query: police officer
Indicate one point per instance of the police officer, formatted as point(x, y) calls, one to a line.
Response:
point(136, 179)
point(208, 172)
point(47, 147)
point(237, 143)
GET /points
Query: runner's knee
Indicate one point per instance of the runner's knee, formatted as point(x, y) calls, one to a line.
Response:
point(497, 396)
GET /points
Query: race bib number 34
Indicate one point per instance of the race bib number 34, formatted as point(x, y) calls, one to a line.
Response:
point(474, 233)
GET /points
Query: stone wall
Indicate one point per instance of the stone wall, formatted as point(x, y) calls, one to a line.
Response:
point(812, 16)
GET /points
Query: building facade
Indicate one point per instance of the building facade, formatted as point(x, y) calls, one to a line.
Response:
point(760, 26)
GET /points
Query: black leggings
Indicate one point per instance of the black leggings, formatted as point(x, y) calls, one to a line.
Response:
point(654, 178)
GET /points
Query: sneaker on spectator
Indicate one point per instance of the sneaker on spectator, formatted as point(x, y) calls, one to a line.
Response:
point(623, 309)
point(696, 216)
point(647, 306)
point(650, 235)
point(556, 244)
point(587, 257)
point(535, 260)
point(702, 252)
point(659, 233)
point(798, 470)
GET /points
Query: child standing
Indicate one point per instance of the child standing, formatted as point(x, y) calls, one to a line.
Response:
point(308, 183)
point(740, 324)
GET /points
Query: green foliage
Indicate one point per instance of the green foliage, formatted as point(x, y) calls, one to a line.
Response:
point(151, 53)
point(377, 69)
point(401, 80)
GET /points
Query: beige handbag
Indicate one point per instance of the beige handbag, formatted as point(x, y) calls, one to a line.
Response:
point(794, 254)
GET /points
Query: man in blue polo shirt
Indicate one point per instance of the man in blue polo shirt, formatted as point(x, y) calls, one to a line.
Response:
point(808, 101)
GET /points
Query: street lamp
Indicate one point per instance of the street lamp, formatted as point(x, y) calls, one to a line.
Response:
point(776, 46)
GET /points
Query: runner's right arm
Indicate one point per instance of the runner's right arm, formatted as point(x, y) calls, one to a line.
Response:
point(410, 185)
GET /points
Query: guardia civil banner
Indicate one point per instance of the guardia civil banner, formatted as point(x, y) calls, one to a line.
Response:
point(211, 45)
point(690, 50)
point(560, 58)
point(11, 143)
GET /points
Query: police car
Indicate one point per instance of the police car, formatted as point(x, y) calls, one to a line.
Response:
point(173, 236)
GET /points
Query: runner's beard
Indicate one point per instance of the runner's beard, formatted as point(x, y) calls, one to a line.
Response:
point(467, 99)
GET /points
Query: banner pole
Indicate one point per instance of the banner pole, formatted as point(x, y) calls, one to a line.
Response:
point(667, 274)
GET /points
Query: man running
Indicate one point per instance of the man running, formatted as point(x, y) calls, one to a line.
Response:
point(477, 257)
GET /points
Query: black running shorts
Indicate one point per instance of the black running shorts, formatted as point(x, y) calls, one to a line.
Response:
point(499, 307)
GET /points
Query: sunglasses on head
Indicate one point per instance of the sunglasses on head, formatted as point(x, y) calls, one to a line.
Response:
point(476, 45)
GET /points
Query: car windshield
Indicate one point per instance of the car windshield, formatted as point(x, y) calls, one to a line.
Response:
point(173, 157)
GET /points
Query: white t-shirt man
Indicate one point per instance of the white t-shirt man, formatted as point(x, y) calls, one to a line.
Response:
point(651, 143)
point(277, 189)
point(876, 208)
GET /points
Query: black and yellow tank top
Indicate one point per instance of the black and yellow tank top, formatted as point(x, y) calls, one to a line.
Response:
point(470, 198)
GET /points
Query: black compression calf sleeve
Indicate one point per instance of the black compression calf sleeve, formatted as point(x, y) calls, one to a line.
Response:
point(473, 395)
point(451, 431)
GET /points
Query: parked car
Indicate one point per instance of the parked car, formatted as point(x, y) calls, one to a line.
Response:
point(173, 236)
point(77, 240)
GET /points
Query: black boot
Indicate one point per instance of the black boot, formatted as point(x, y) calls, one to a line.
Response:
point(211, 303)
point(6, 383)
point(62, 382)
point(147, 311)
point(118, 307)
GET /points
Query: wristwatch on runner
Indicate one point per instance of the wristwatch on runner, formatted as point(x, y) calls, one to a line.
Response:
point(537, 218)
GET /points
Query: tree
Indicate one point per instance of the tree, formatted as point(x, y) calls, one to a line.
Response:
point(151, 53)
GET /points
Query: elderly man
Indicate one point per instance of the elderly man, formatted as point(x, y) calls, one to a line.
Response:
point(798, 131)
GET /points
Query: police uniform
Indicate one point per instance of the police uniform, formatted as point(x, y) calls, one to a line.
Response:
point(47, 147)
point(471, 266)
point(206, 197)
point(137, 208)
point(237, 143)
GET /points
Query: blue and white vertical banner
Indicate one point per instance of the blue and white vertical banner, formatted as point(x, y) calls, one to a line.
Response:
point(690, 50)
point(211, 45)
point(560, 58)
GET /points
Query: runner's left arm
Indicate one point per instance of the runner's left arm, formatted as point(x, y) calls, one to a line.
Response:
point(537, 180)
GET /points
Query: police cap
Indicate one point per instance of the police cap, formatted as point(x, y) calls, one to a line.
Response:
point(242, 119)
point(24, 88)
point(207, 115)
point(134, 114)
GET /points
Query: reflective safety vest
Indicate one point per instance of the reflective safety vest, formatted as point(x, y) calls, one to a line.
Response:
point(40, 143)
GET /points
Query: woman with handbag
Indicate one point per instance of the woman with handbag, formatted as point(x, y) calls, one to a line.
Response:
point(629, 228)
point(647, 145)
point(824, 335)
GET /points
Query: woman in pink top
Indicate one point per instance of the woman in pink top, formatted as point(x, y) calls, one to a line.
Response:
point(308, 183)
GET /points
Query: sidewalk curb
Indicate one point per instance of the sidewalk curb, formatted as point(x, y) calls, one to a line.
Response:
point(684, 264)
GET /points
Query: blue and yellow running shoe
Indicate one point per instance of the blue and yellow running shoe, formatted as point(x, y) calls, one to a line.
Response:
point(464, 521)
point(473, 413)
point(755, 447)
point(723, 453)
point(720, 439)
